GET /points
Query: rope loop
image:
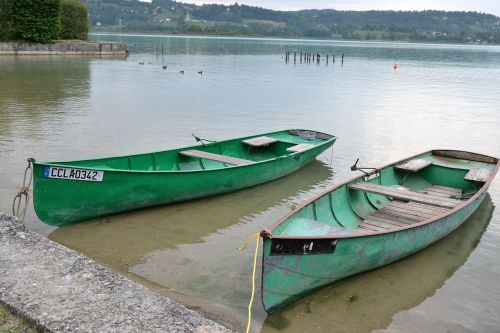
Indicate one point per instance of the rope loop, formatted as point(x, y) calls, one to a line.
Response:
point(248, 241)
point(22, 198)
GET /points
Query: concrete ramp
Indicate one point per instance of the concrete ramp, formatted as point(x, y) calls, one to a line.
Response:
point(61, 290)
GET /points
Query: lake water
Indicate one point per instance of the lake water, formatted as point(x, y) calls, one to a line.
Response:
point(441, 96)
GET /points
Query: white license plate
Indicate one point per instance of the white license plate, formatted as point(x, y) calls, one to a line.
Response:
point(74, 174)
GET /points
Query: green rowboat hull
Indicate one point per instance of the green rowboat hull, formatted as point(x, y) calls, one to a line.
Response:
point(291, 266)
point(119, 184)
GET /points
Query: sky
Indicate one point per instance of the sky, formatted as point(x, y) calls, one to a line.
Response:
point(486, 6)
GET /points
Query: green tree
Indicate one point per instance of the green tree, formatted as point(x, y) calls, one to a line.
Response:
point(37, 20)
point(7, 30)
point(74, 20)
point(195, 28)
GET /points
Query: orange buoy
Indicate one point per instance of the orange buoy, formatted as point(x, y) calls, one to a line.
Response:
point(395, 66)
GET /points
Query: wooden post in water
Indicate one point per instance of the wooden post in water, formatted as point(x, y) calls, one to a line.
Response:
point(327, 59)
point(300, 57)
point(162, 59)
point(333, 58)
point(342, 59)
point(318, 56)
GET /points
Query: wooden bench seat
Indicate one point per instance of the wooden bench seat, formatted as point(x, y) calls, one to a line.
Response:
point(427, 199)
point(413, 165)
point(299, 147)
point(260, 141)
point(402, 214)
point(478, 175)
point(215, 157)
point(398, 214)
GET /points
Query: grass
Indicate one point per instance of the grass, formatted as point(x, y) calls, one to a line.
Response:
point(10, 323)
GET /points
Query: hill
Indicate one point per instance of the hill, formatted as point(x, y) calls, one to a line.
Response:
point(166, 16)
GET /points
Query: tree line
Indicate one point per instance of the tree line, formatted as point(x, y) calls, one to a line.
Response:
point(42, 20)
point(168, 16)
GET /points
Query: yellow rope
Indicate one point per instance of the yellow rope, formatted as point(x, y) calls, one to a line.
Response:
point(257, 238)
point(244, 246)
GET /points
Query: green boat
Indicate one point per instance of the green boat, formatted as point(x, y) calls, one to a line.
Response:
point(371, 221)
point(69, 192)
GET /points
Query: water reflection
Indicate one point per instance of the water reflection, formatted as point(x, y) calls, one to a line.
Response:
point(175, 45)
point(369, 300)
point(33, 92)
point(37, 85)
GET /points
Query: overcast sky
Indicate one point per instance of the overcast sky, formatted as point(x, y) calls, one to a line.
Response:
point(487, 6)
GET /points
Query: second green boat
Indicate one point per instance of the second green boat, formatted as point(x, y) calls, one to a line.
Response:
point(69, 192)
point(371, 221)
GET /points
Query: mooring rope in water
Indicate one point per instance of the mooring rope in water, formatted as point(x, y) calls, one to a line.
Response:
point(324, 158)
point(331, 156)
point(257, 238)
point(24, 192)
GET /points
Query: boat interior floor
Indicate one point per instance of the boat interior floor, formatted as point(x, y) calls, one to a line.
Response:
point(399, 213)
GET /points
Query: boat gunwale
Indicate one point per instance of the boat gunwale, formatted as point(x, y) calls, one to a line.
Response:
point(267, 233)
point(332, 138)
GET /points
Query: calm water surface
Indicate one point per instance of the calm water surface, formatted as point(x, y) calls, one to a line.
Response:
point(442, 96)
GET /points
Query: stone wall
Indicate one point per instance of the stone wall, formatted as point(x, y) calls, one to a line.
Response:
point(64, 47)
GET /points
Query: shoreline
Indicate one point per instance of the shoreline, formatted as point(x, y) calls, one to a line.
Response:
point(65, 48)
point(60, 290)
point(285, 39)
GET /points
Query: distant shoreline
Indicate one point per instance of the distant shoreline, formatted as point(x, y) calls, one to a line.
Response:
point(325, 40)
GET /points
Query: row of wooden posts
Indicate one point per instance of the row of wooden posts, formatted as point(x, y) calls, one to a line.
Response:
point(301, 56)
point(304, 57)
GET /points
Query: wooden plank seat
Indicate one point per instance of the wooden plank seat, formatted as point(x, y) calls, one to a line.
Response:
point(478, 175)
point(427, 199)
point(299, 147)
point(215, 157)
point(413, 165)
point(392, 216)
point(260, 141)
point(400, 214)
